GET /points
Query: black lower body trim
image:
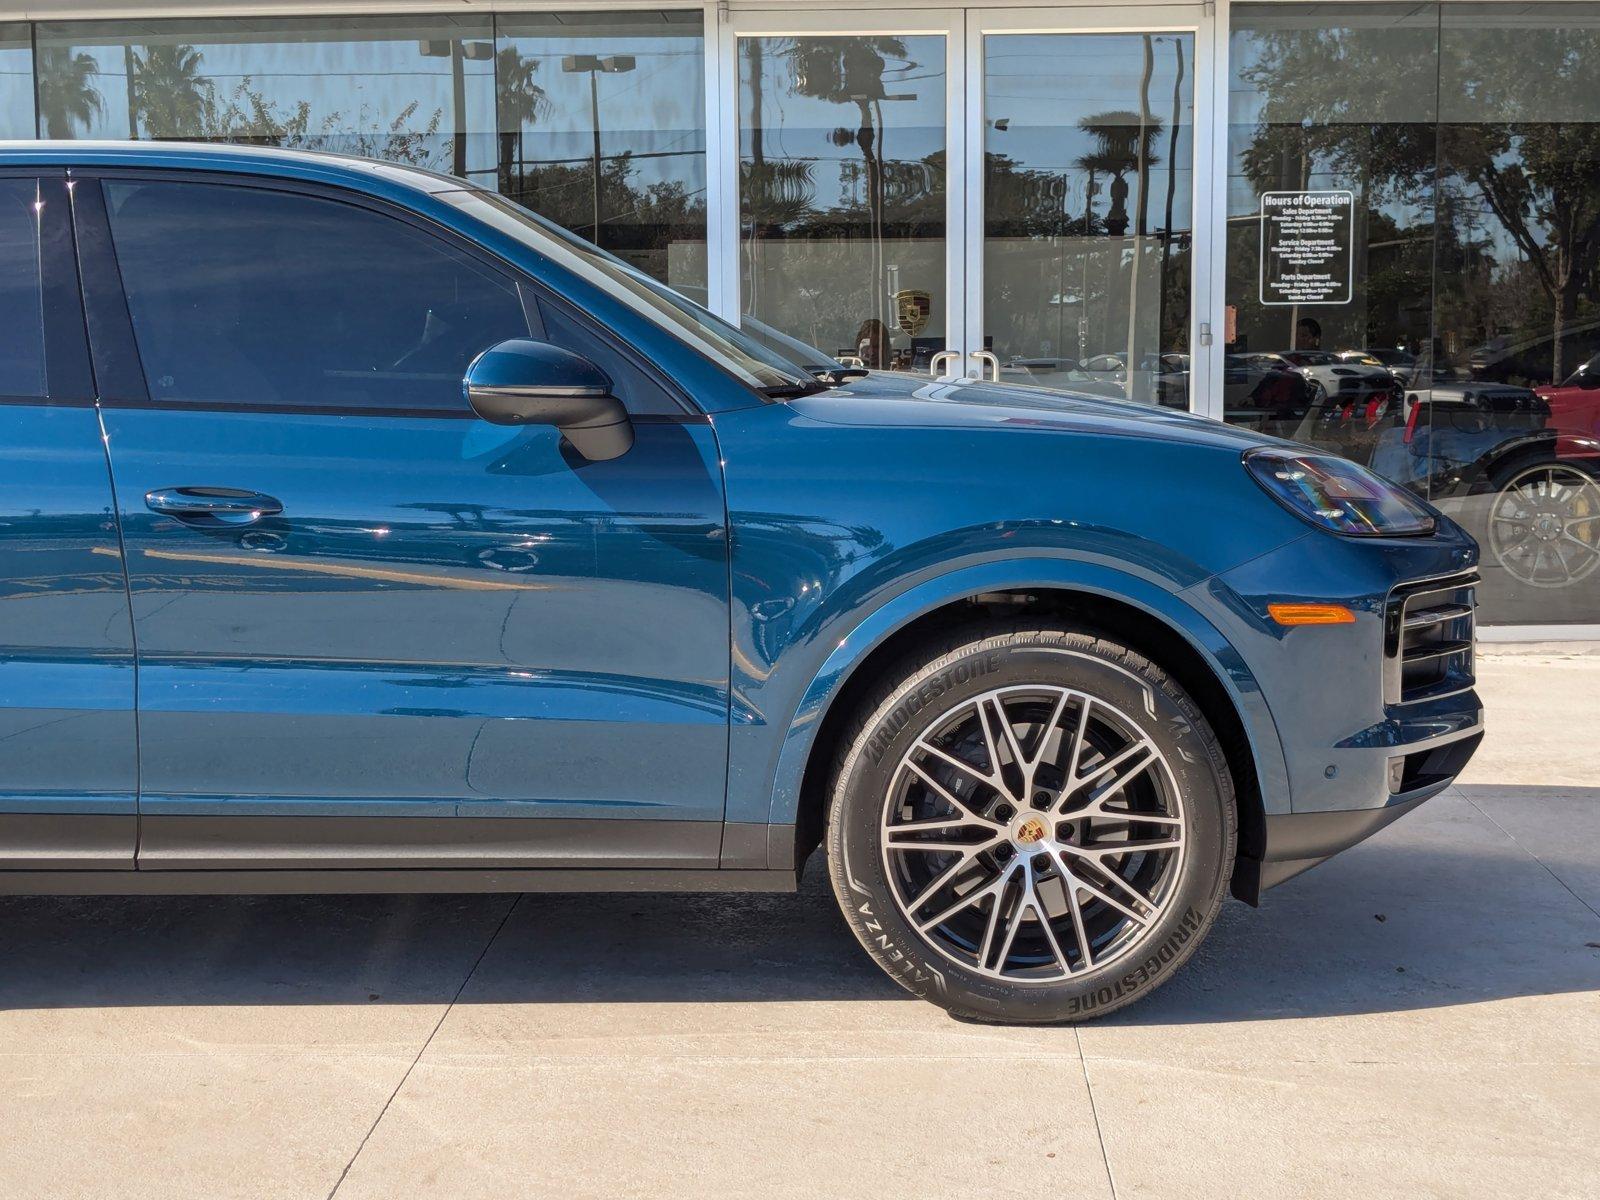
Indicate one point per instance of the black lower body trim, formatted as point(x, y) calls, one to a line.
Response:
point(259, 882)
point(49, 841)
point(1296, 842)
point(325, 843)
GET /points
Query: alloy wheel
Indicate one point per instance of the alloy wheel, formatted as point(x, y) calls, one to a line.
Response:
point(1033, 833)
point(1544, 528)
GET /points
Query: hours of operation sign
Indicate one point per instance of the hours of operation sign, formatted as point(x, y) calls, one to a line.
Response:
point(1307, 243)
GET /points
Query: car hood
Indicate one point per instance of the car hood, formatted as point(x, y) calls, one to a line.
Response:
point(885, 400)
point(1351, 370)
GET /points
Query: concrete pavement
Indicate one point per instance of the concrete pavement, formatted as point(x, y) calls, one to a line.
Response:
point(1418, 1017)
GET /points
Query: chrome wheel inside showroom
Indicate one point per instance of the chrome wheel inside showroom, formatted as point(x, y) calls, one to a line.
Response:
point(1031, 825)
point(1033, 832)
point(1544, 528)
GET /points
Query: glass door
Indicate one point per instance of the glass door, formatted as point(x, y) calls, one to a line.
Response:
point(1005, 193)
point(1085, 230)
point(841, 128)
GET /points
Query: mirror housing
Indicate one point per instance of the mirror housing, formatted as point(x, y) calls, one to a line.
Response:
point(524, 382)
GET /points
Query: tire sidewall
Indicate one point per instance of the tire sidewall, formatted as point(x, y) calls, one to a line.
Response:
point(1144, 696)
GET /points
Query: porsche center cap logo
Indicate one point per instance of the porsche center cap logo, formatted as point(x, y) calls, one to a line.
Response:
point(1030, 831)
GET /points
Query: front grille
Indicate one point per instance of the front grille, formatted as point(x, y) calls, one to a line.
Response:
point(1428, 639)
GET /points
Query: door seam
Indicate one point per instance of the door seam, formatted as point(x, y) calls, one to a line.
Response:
point(133, 639)
point(116, 520)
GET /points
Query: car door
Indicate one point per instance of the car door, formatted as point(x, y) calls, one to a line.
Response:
point(374, 630)
point(67, 743)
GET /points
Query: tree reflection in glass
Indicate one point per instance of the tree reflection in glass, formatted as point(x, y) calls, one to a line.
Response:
point(416, 89)
point(1518, 299)
point(1087, 195)
point(1470, 136)
point(602, 130)
point(69, 95)
point(842, 194)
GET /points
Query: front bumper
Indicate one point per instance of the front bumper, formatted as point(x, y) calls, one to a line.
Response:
point(1296, 842)
point(1373, 717)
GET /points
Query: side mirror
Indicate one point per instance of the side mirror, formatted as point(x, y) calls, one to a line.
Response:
point(523, 382)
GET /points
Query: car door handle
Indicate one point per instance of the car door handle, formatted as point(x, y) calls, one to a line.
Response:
point(212, 505)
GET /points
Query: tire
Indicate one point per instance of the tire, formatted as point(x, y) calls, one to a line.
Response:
point(974, 912)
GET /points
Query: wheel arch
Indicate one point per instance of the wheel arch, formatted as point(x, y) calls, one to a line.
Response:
point(1146, 616)
point(1514, 454)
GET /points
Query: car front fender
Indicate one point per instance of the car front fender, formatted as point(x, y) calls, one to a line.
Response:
point(783, 792)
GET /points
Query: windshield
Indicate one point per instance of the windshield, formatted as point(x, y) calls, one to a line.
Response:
point(801, 354)
point(736, 352)
point(1394, 358)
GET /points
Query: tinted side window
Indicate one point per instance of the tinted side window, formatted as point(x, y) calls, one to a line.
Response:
point(261, 297)
point(21, 299)
point(629, 383)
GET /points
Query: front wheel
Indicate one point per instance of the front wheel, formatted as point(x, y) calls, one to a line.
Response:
point(1032, 825)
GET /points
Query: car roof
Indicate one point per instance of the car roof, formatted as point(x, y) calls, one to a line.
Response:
point(318, 165)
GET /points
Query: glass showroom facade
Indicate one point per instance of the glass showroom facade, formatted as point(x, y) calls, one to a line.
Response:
point(1373, 227)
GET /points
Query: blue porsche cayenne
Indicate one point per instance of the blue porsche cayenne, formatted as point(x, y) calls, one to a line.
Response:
point(363, 532)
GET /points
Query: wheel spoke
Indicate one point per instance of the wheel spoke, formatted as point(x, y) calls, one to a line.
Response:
point(942, 792)
point(1141, 754)
point(1579, 543)
point(1101, 853)
point(975, 896)
point(960, 764)
point(1050, 736)
point(1133, 761)
point(1079, 737)
point(1028, 764)
point(994, 707)
point(1121, 814)
point(1024, 903)
point(1047, 735)
point(1069, 886)
point(903, 836)
point(997, 778)
point(1561, 563)
point(992, 924)
point(1050, 934)
point(1107, 898)
point(1516, 547)
point(946, 876)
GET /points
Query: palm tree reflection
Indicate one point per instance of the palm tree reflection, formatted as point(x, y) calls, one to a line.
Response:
point(170, 95)
point(521, 102)
point(68, 97)
point(850, 71)
point(1124, 144)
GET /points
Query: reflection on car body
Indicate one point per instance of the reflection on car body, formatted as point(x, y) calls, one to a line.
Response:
point(1402, 364)
point(1159, 378)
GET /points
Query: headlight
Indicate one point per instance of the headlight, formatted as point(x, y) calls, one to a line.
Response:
point(1335, 494)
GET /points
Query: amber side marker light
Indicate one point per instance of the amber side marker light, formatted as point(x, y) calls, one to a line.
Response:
point(1311, 614)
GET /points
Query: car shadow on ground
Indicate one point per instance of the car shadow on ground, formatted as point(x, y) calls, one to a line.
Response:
point(1425, 920)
